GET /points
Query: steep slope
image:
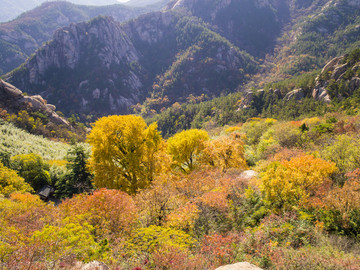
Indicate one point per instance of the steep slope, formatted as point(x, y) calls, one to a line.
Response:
point(104, 67)
point(294, 35)
point(322, 30)
point(253, 25)
point(21, 37)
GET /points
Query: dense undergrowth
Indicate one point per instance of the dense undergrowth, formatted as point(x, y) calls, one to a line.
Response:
point(300, 211)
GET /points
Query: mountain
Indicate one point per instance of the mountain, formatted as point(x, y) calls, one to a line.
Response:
point(10, 9)
point(253, 25)
point(193, 50)
point(320, 31)
point(21, 37)
point(146, 3)
point(103, 67)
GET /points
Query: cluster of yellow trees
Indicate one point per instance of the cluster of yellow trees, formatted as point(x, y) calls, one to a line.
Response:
point(184, 202)
point(127, 153)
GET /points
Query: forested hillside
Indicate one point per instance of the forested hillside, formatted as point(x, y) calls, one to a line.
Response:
point(103, 67)
point(190, 202)
point(217, 132)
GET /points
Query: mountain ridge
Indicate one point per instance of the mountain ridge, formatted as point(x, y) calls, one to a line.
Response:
point(22, 36)
point(120, 73)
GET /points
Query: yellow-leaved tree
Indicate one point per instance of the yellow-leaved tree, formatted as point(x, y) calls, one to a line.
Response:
point(186, 146)
point(11, 182)
point(124, 152)
point(225, 152)
point(289, 183)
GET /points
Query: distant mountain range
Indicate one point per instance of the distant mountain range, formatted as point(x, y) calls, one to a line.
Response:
point(21, 37)
point(194, 48)
point(10, 9)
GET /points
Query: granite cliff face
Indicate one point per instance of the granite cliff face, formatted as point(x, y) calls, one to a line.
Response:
point(22, 36)
point(104, 67)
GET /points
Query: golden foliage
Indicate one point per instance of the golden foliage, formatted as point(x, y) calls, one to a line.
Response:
point(185, 148)
point(286, 184)
point(124, 152)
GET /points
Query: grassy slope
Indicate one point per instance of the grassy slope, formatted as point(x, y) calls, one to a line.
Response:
point(16, 141)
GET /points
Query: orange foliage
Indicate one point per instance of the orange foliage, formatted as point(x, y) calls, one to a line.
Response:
point(111, 212)
point(219, 249)
point(287, 154)
point(216, 199)
point(347, 198)
point(184, 217)
point(27, 213)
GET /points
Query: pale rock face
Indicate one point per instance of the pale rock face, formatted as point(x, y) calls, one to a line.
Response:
point(338, 71)
point(247, 99)
point(116, 48)
point(321, 94)
point(84, 102)
point(51, 107)
point(133, 81)
point(331, 64)
point(150, 29)
point(84, 84)
point(249, 174)
point(297, 94)
point(239, 266)
point(96, 93)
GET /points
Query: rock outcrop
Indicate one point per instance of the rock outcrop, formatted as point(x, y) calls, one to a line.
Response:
point(337, 71)
point(297, 94)
point(246, 100)
point(13, 100)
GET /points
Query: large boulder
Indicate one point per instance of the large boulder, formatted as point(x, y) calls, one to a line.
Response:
point(239, 266)
point(297, 94)
point(320, 93)
point(246, 100)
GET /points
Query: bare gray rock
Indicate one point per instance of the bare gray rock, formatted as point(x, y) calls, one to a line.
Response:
point(239, 266)
point(297, 94)
point(321, 94)
point(249, 174)
point(246, 100)
point(331, 64)
point(338, 71)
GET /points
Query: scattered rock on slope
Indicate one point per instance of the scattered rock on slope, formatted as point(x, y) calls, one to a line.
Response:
point(239, 266)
